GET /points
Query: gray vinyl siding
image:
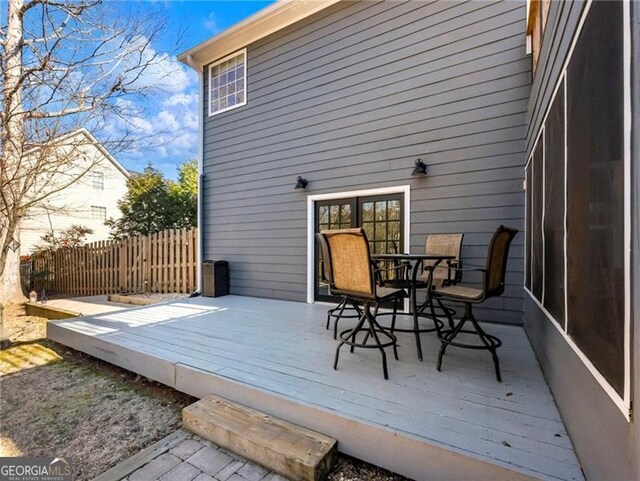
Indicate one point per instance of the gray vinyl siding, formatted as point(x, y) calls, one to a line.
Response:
point(349, 98)
point(605, 442)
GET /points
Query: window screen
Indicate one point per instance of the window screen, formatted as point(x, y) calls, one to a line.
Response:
point(536, 221)
point(554, 209)
point(595, 149)
point(527, 255)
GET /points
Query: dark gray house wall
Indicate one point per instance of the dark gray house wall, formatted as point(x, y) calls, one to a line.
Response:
point(349, 98)
point(607, 445)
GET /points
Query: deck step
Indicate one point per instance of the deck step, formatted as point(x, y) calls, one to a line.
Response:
point(286, 448)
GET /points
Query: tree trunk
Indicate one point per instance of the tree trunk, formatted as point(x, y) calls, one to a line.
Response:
point(12, 135)
point(10, 288)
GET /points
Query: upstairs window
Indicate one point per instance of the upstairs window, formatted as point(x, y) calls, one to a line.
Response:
point(97, 180)
point(98, 213)
point(228, 83)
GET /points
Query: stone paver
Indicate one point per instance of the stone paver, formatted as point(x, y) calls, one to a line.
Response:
point(229, 470)
point(275, 477)
point(237, 477)
point(182, 472)
point(155, 468)
point(204, 477)
point(196, 459)
point(252, 472)
point(210, 460)
point(187, 448)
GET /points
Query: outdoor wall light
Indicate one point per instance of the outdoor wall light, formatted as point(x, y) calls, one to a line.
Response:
point(301, 183)
point(14, 244)
point(420, 169)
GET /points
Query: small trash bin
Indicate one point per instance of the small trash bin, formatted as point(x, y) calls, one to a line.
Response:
point(215, 278)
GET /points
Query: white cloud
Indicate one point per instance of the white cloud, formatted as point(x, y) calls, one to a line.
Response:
point(180, 99)
point(167, 74)
point(152, 69)
point(166, 122)
point(141, 125)
point(191, 120)
point(211, 22)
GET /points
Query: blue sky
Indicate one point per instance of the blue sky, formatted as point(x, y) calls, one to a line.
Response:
point(175, 109)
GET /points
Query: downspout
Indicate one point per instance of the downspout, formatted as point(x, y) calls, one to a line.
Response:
point(200, 156)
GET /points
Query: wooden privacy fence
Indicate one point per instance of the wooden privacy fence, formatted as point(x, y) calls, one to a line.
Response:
point(160, 262)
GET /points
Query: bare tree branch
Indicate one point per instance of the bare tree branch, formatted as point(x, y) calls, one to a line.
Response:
point(66, 64)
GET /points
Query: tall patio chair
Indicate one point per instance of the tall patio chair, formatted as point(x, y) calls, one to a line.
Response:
point(345, 305)
point(353, 276)
point(492, 286)
point(446, 273)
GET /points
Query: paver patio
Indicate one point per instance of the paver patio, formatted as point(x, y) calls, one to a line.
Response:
point(183, 456)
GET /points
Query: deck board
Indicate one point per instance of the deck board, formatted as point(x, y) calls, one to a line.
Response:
point(282, 349)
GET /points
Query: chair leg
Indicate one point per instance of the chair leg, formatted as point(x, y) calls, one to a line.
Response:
point(384, 329)
point(449, 337)
point(490, 346)
point(352, 338)
point(372, 331)
point(489, 342)
point(343, 305)
point(416, 326)
point(395, 313)
point(366, 337)
point(340, 307)
point(374, 334)
point(448, 313)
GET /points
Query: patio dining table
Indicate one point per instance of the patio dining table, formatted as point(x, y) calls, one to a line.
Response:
point(413, 282)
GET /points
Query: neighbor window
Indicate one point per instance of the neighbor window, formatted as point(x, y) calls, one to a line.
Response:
point(228, 83)
point(97, 180)
point(98, 213)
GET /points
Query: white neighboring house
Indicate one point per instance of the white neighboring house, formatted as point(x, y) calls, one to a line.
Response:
point(87, 202)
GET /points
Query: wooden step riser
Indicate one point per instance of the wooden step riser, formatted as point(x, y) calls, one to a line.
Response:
point(288, 449)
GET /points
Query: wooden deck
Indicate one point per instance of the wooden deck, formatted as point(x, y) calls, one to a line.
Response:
point(276, 356)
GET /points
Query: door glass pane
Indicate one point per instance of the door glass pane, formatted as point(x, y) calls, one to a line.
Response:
point(324, 214)
point(394, 231)
point(394, 210)
point(367, 212)
point(335, 214)
point(381, 211)
point(345, 216)
point(368, 229)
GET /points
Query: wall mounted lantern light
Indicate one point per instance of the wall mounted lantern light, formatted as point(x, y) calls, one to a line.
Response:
point(420, 169)
point(14, 244)
point(301, 183)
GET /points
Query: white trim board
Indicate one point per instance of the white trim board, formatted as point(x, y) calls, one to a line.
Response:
point(626, 38)
point(311, 199)
point(624, 402)
point(265, 22)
